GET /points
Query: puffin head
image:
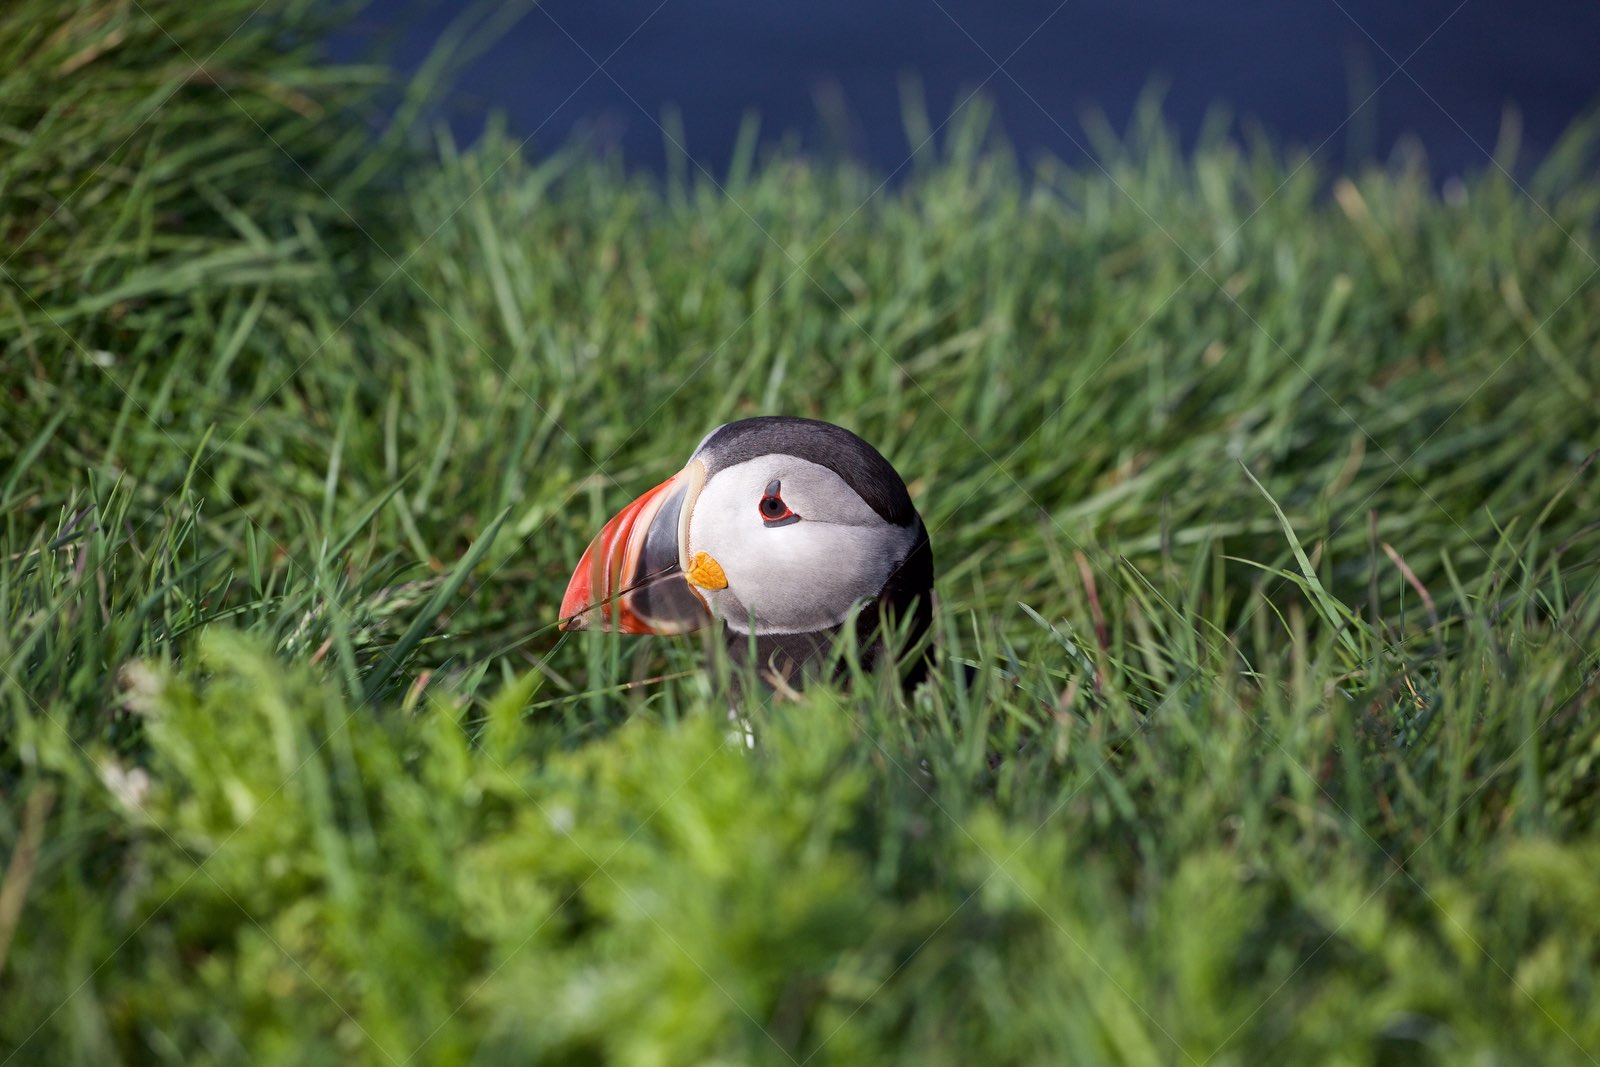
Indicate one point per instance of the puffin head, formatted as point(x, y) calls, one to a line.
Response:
point(776, 526)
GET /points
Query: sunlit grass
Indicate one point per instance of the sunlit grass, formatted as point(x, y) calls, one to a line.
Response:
point(1264, 726)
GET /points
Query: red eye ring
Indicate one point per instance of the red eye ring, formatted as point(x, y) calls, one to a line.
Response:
point(774, 512)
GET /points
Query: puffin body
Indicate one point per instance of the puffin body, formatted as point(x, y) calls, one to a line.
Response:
point(778, 528)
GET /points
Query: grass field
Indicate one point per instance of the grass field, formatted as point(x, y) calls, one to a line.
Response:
point(1261, 502)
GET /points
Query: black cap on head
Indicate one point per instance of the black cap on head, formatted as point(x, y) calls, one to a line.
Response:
point(856, 462)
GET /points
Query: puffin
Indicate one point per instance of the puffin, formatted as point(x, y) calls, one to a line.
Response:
point(778, 530)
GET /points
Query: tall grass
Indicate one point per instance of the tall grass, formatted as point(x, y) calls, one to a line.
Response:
point(1261, 500)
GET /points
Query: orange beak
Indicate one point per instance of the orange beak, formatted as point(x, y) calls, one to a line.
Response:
point(631, 577)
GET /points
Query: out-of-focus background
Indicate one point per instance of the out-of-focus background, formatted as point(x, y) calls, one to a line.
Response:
point(1351, 79)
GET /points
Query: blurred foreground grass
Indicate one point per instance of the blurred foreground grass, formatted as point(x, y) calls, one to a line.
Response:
point(1261, 506)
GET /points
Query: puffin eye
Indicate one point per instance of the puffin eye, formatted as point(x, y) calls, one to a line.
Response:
point(774, 512)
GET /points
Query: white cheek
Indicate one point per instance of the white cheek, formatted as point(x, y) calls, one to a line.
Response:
point(798, 578)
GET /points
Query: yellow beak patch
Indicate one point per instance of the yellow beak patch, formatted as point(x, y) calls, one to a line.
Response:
point(706, 572)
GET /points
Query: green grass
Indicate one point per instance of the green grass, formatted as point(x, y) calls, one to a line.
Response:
point(1260, 501)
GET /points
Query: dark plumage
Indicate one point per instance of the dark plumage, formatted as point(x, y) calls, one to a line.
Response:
point(861, 466)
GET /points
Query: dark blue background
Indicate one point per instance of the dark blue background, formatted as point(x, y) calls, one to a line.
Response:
point(1296, 68)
